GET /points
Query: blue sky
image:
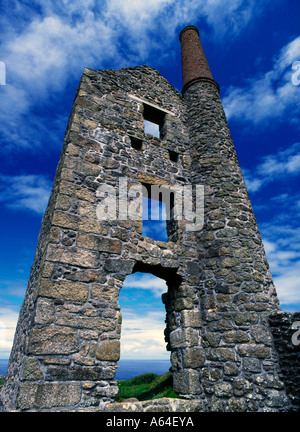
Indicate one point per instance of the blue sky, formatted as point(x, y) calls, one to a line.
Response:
point(252, 48)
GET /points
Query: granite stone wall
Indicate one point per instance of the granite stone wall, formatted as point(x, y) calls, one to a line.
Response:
point(220, 290)
point(236, 289)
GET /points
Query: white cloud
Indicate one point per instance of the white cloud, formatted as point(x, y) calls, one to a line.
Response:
point(282, 246)
point(143, 318)
point(277, 166)
point(142, 335)
point(281, 236)
point(270, 95)
point(25, 192)
point(46, 45)
point(230, 16)
point(253, 184)
point(284, 162)
point(8, 321)
point(145, 281)
point(287, 285)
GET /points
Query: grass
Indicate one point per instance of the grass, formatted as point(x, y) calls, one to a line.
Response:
point(2, 380)
point(147, 386)
point(142, 387)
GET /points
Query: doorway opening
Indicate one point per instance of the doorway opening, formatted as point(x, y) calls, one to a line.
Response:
point(143, 347)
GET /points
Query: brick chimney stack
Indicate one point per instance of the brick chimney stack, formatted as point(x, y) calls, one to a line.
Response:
point(194, 63)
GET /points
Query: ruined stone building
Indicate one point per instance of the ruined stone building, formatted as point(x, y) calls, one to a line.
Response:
point(221, 304)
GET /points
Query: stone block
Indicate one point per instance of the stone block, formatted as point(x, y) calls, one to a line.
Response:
point(212, 374)
point(109, 391)
point(245, 318)
point(52, 340)
point(251, 364)
point(211, 339)
point(193, 268)
point(102, 244)
point(80, 257)
point(236, 336)
point(104, 293)
point(242, 386)
point(186, 382)
point(32, 370)
point(84, 322)
point(87, 209)
point(191, 318)
point(79, 373)
point(119, 266)
point(63, 202)
point(76, 223)
point(108, 350)
point(236, 405)
point(86, 276)
point(176, 339)
point(48, 395)
point(65, 220)
point(193, 358)
point(231, 369)
point(183, 303)
point(221, 354)
point(223, 390)
point(65, 290)
point(262, 335)
point(44, 313)
point(256, 351)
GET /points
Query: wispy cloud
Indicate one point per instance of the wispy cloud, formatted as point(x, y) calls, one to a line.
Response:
point(145, 281)
point(282, 246)
point(269, 96)
point(143, 317)
point(46, 45)
point(25, 192)
point(277, 166)
point(143, 335)
point(8, 320)
point(281, 234)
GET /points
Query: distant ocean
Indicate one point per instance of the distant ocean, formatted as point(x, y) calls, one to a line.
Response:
point(131, 368)
point(3, 366)
point(127, 368)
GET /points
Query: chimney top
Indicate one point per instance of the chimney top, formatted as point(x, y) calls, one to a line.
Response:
point(194, 63)
point(189, 27)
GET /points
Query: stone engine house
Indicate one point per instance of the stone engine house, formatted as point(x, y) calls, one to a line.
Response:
point(220, 290)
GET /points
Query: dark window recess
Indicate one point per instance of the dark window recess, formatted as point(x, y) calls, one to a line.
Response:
point(153, 120)
point(173, 156)
point(136, 143)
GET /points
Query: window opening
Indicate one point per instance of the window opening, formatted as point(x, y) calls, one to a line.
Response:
point(153, 121)
point(173, 156)
point(136, 143)
point(151, 128)
point(158, 213)
point(155, 213)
